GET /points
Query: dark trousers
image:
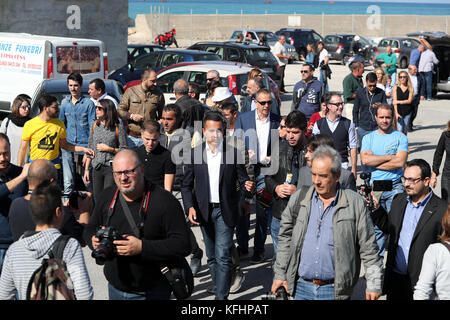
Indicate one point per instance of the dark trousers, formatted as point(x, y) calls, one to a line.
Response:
point(102, 178)
point(415, 107)
point(445, 189)
point(399, 287)
point(281, 72)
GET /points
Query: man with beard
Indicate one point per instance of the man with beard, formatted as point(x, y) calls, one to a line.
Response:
point(45, 134)
point(413, 223)
point(12, 185)
point(140, 103)
point(159, 234)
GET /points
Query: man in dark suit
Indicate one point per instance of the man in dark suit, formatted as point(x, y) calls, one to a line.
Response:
point(347, 178)
point(255, 128)
point(212, 174)
point(413, 223)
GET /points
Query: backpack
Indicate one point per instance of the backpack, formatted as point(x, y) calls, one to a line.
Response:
point(51, 281)
point(316, 61)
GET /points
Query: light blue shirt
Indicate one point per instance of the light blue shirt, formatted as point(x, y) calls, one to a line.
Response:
point(317, 257)
point(410, 220)
point(385, 144)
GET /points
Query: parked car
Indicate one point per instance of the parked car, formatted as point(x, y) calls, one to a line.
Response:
point(271, 39)
point(59, 89)
point(339, 46)
point(255, 55)
point(299, 38)
point(401, 46)
point(440, 43)
point(137, 50)
point(158, 60)
point(232, 74)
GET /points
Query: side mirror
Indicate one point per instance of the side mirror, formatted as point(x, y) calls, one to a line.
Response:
point(130, 67)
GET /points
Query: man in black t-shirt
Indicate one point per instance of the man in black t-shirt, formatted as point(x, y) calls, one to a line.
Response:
point(157, 160)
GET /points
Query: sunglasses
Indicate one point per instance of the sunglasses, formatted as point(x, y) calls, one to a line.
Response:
point(337, 104)
point(403, 77)
point(99, 108)
point(263, 103)
point(304, 71)
point(209, 79)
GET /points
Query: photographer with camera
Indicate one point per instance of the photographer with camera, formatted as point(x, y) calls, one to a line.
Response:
point(136, 228)
point(325, 232)
point(413, 223)
point(384, 152)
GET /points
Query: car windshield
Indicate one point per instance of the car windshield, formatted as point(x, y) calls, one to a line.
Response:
point(206, 57)
point(254, 56)
point(270, 36)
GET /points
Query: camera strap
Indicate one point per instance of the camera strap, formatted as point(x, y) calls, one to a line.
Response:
point(142, 210)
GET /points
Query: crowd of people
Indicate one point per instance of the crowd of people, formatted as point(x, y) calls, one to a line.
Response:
point(155, 170)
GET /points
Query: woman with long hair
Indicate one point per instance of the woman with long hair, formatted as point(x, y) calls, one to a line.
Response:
point(106, 137)
point(443, 145)
point(434, 279)
point(13, 124)
point(311, 53)
point(402, 96)
point(211, 87)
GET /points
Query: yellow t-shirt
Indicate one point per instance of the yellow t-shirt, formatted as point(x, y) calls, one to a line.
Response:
point(44, 138)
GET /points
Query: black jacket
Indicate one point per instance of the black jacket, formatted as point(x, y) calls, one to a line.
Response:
point(363, 113)
point(286, 153)
point(196, 180)
point(443, 145)
point(427, 231)
point(165, 237)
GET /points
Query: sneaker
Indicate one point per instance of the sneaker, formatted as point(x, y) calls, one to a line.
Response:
point(196, 263)
point(257, 258)
point(237, 279)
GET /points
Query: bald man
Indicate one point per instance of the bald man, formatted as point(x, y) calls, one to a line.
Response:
point(20, 220)
point(157, 232)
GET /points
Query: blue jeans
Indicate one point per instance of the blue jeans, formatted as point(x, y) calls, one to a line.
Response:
point(386, 201)
point(134, 143)
point(68, 168)
point(305, 290)
point(2, 257)
point(403, 124)
point(428, 78)
point(274, 230)
point(160, 291)
point(218, 237)
point(263, 215)
point(322, 79)
point(394, 77)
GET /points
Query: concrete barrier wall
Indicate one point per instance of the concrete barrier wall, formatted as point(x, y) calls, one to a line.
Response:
point(219, 27)
point(106, 20)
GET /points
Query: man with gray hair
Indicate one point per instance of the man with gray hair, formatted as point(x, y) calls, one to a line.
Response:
point(325, 232)
point(280, 53)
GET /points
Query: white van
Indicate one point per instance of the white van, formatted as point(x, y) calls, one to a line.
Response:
point(27, 59)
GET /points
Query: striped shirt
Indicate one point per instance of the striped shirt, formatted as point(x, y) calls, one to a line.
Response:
point(25, 256)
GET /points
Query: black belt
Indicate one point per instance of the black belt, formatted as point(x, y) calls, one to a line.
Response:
point(214, 205)
point(319, 282)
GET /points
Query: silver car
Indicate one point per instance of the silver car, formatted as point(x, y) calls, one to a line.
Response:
point(401, 46)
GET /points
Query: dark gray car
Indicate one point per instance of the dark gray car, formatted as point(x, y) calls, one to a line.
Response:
point(339, 46)
point(401, 46)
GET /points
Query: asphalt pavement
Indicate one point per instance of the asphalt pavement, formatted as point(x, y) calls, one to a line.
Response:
point(430, 122)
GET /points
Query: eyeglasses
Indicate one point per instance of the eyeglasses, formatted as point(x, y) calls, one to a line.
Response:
point(259, 75)
point(263, 103)
point(371, 85)
point(402, 77)
point(25, 107)
point(410, 180)
point(304, 71)
point(337, 104)
point(127, 173)
point(282, 127)
point(99, 108)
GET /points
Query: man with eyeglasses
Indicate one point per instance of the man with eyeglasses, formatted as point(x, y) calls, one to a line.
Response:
point(45, 134)
point(384, 153)
point(255, 129)
point(307, 92)
point(340, 129)
point(159, 235)
point(365, 106)
point(140, 103)
point(413, 223)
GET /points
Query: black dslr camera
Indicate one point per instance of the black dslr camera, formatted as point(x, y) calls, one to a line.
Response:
point(281, 295)
point(105, 250)
point(378, 185)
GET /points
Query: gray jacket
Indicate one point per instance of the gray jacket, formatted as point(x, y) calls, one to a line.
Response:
point(354, 240)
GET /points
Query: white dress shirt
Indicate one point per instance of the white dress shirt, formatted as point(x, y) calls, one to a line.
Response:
point(104, 96)
point(414, 83)
point(214, 161)
point(262, 132)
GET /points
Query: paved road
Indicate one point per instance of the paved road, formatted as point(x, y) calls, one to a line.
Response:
point(430, 122)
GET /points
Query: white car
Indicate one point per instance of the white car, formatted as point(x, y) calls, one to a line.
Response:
point(234, 75)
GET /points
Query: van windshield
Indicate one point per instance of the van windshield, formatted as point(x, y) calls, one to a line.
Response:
point(81, 59)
